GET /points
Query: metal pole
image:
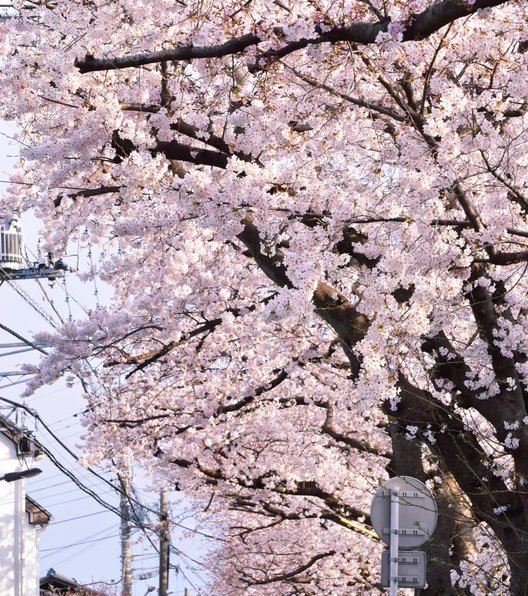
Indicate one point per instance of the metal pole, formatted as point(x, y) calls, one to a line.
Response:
point(164, 552)
point(394, 542)
point(126, 551)
point(18, 542)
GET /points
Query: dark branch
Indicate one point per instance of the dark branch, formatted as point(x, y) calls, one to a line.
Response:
point(88, 192)
point(233, 46)
point(143, 360)
point(350, 325)
point(290, 574)
point(181, 152)
point(281, 376)
point(422, 25)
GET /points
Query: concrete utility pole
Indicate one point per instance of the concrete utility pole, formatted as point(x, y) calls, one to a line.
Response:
point(126, 551)
point(164, 554)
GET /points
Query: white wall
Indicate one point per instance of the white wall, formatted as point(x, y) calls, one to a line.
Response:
point(30, 558)
point(19, 565)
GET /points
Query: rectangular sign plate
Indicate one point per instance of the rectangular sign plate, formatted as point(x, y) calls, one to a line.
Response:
point(411, 569)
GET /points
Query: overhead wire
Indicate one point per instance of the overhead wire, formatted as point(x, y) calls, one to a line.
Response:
point(13, 383)
point(142, 526)
point(90, 544)
point(43, 488)
point(90, 493)
point(83, 487)
point(110, 509)
point(42, 289)
point(30, 301)
point(75, 555)
point(36, 415)
point(63, 287)
point(46, 478)
point(71, 500)
point(14, 352)
point(23, 339)
point(87, 540)
point(69, 519)
point(27, 298)
point(55, 461)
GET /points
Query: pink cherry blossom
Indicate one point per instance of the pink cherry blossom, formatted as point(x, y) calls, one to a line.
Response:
point(314, 221)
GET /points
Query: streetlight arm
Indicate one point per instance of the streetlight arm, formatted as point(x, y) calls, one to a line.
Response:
point(12, 476)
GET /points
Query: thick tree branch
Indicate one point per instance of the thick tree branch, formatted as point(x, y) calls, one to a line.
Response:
point(265, 508)
point(272, 266)
point(182, 152)
point(301, 488)
point(328, 429)
point(450, 366)
point(189, 130)
point(506, 258)
point(422, 25)
point(483, 304)
point(332, 307)
point(515, 194)
point(234, 46)
point(469, 464)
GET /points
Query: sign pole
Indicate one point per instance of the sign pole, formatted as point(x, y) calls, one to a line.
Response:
point(394, 541)
point(404, 515)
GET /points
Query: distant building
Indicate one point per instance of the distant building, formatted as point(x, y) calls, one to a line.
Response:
point(54, 583)
point(21, 518)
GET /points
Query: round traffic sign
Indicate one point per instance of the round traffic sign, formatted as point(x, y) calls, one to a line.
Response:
point(417, 511)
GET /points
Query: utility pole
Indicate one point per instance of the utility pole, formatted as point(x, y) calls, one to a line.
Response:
point(126, 551)
point(164, 553)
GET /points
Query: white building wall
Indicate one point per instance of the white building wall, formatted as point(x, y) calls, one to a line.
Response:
point(9, 561)
point(30, 559)
point(19, 564)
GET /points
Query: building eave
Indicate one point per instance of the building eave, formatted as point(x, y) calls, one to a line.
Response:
point(37, 515)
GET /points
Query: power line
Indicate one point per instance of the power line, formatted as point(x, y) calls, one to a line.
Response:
point(96, 496)
point(70, 452)
point(43, 488)
point(49, 505)
point(80, 542)
point(23, 339)
point(87, 490)
point(29, 300)
point(63, 521)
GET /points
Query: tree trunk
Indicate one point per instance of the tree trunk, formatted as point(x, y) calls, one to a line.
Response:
point(518, 562)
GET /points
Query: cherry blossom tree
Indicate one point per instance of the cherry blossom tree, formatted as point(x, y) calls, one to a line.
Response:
point(314, 218)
